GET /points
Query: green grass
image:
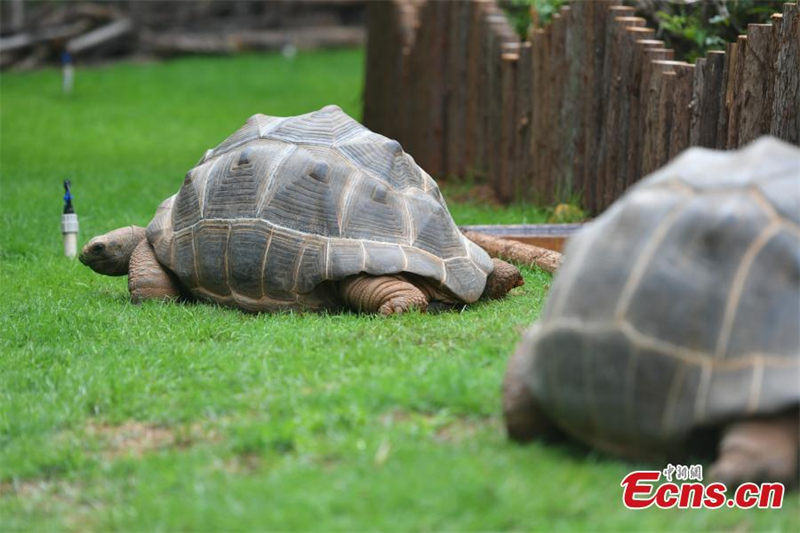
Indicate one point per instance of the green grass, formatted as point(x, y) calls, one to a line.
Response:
point(193, 417)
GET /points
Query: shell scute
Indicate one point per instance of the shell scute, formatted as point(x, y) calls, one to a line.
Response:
point(700, 253)
point(251, 240)
point(211, 243)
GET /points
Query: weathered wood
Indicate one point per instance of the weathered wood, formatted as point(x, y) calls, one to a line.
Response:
point(594, 109)
point(559, 129)
point(524, 254)
point(581, 110)
point(735, 100)
point(785, 122)
point(643, 51)
point(21, 41)
point(550, 236)
point(522, 170)
point(474, 61)
point(505, 186)
point(650, 102)
point(707, 99)
point(617, 71)
point(757, 83)
point(681, 111)
point(541, 88)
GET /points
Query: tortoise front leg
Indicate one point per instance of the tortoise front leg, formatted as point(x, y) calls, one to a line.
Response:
point(386, 295)
point(759, 450)
point(147, 279)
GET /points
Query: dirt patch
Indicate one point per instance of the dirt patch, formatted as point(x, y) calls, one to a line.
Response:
point(135, 439)
point(464, 429)
point(131, 438)
point(444, 428)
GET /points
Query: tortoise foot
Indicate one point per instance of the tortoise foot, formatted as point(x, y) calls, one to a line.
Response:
point(759, 451)
point(387, 295)
point(503, 278)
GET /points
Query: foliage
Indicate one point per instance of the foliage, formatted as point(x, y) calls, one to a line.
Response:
point(690, 27)
point(181, 417)
point(693, 28)
point(519, 13)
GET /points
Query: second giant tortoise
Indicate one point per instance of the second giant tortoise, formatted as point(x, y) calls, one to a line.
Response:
point(674, 320)
point(308, 212)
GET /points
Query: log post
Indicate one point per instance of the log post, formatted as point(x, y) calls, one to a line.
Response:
point(707, 99)
point(786, 93)
point(757, 83)
point(517, 252)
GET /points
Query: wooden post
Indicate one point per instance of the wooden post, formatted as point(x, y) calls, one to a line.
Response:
point(504, 184)
point(734, 97)
point(707, 99)
point(650, 100)
point(540, 42)
point(757, 83)
point(617, 71)
point(522, 171)
point(471, 106)
point(557, 120)
point(456, 89)
point(681, 112)
point(786, 93)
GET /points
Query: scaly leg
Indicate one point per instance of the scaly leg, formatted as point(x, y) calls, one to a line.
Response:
point(386, 295)
point(147, 279)
point(759, 450)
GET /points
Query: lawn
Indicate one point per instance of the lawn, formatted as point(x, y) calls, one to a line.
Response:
point(193, 417)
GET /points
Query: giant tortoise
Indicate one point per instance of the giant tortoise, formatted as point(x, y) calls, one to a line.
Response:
point(674, 321)
point(308, 212)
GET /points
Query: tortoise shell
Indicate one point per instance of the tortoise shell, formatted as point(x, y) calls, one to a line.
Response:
point(677, 309)
point(285, 205)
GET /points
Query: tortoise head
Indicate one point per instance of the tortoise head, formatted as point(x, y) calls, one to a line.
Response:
point(110, 253)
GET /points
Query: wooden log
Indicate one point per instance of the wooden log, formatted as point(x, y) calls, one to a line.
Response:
point(681, 111)
point(785, 122)
point(650, 103)
point(735, 97)
point(557, 121)
point(471, 106)
point(516, 252)
point(436, 93)
point(21, 41)
point(383, 66)
point(540, 132)
point(100, 36)
point(707, 99)
point(570, 153)
point(550, 236)
point(617, 72)
point(522, 171)
point(592, 103)
point(507, 123)
point(494, 105)
point(455, 89)
point(757, 83)
point(662, 127)
point(634, 130)
point(731, 53)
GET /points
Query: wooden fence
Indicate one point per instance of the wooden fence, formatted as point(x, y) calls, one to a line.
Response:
point(585, 107)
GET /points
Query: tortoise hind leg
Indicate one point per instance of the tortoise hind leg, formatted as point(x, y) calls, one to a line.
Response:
point(147, 279)
point(386, 295)
point(759, 450)
point(525, 419)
